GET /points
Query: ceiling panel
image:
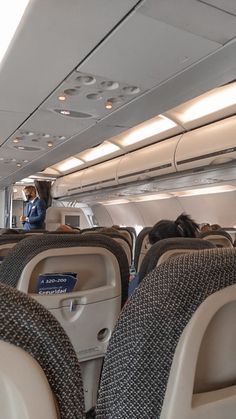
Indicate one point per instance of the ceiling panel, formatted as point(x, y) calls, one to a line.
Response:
point(88, 94)
point(227, 5)
point(195, 17)
point(145, 52)
point(9, 121)
point(54, 36)
point(48, 121)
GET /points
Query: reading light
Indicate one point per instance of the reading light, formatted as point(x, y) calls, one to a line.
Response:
point(209, 103)
point(108, 105)
point(50, 144)
point(62, 98)
point(11, 14)
point(20, 147)
point(63, 112)
point(149, 128)
point(100, 151)
point(205, 191)
point(18, 165)
point(68, 164)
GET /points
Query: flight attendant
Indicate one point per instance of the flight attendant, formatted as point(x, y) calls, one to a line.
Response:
point(35, 210)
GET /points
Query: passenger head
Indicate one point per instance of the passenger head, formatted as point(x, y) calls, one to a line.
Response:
point(66, 229)
point(215, 227)
point(205, 227)
point(183, 226)
point(108, 230)
point(30, 192)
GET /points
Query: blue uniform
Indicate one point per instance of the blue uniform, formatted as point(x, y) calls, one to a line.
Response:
point(35, 212)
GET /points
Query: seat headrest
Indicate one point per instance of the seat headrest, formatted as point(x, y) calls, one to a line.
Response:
point(158, 249)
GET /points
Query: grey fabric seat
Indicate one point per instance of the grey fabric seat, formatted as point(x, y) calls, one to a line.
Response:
point(169, 248)
point(28, 325)
point(8, 241)
point(33, 245)
point(141, 247)
point(219, 237)
point(116, 236)
point(141, 350)
point(101, 269)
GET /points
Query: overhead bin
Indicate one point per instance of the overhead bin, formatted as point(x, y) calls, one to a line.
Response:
point(67, 185)
point(149, 162)
point(100, 176)
point(210, 145)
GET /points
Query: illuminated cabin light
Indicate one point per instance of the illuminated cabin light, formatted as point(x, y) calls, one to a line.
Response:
point(27, 180)
point(100, 151)
point(68, 164)
point(205, 191)
point(209, 103)
point(115, 202)
point(148, 129)
point(12, 12)
point(50, 144)
point(18, 165)
point(62, 98)
point(21, 147)
point(151, 197)
point(108, 105)
point(15, 140)
point(64, 112)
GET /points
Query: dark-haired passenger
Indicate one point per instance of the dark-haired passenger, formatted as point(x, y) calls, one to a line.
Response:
point(183, 226)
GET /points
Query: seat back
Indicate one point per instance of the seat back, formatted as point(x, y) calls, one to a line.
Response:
point(219, 237)
point(8, 241)
point(36, 361)
point(205, 363)
point(168, 248)
point(150, 327)
point(141, 247)
point(101, 289)
point(119, 237)
point(27, 394)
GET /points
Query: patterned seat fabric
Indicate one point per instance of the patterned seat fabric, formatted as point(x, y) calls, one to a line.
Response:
point(28, 325)
point(158, 249)
point(24, 251)
point(11, 238)
point(142, 347)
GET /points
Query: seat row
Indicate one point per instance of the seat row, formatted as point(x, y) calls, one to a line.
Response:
point(171, 354)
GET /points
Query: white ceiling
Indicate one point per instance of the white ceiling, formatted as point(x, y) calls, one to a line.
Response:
point(170, 50)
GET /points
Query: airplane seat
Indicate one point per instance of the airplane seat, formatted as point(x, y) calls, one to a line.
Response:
point(172, 353)
point(168, 248)
point(219, 237)
point(40, 375)
point(88, 312)
point(8, 241)
point(121, 239)
point(141, 247)
point(133, 236)
point(118, 237)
